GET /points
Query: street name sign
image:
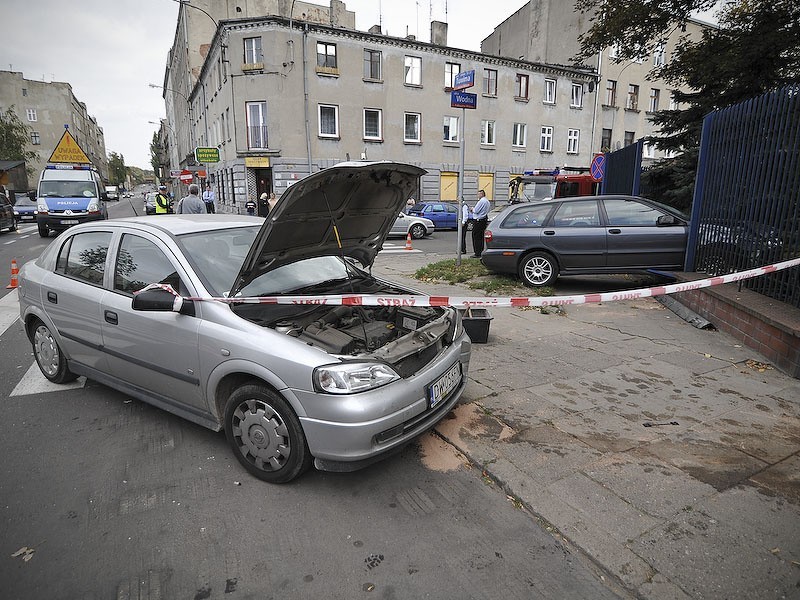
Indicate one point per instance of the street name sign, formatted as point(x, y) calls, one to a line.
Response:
point(206, 155)
point(464, 80)
point(463, 100)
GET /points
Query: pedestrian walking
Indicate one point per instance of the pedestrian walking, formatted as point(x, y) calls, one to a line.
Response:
point(208, 198)
point(250, 205)
point(192, 204)
point(480, 214)
point(272, 201)
point(410, 204)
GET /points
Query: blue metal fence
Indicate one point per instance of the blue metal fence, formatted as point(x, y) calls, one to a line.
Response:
point(623, 171)
point(746, 208)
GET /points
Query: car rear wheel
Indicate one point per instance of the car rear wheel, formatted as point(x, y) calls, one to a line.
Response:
point(43, 231)
point(538, 269)
point(265, 434)
point(417, 231)
point(48, 355)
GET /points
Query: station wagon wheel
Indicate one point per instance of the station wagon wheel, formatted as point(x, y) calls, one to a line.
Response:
point(538, 269)
point(49, 356)
point(417, 231)
point(265, 434)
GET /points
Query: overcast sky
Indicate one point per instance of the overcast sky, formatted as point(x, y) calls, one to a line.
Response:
point(109, 50)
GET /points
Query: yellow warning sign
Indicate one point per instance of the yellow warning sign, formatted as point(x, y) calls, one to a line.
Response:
point(68, 151)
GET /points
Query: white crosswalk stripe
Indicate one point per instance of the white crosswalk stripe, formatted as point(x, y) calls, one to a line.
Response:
point(33, 382)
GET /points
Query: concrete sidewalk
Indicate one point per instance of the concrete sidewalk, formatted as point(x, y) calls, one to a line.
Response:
point(669, 455)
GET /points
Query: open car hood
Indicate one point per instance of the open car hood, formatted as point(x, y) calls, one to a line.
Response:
point(359, 200)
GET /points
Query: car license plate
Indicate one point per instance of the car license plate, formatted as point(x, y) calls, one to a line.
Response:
point(69, 222)
point(26, 218)
point(441, 388)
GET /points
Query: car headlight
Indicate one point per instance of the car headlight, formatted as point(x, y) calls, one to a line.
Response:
point(93, 206)
point(352, 377)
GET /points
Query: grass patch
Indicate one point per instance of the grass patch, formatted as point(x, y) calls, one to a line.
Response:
point(472, 273)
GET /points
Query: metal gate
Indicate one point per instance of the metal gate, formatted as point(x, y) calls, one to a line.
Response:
point(746, 207)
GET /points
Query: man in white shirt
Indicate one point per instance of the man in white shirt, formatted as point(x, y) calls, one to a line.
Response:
point(208, 198)
point(481, 215)
point(466, 219)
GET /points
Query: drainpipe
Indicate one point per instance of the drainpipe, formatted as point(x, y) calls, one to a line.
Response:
point(305, 96)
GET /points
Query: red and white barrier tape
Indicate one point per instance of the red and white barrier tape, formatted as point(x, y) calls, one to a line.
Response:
point(465, 301)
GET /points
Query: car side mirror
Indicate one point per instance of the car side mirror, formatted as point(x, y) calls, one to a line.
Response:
point(159, 300)
point(32, 196)
point(104, 196)
point(665, 220)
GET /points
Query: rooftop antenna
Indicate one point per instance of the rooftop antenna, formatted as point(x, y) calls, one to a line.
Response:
point(380, 15)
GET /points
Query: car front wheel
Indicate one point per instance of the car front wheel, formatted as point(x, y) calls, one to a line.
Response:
point(538, 269)
point(48, 355)
point(43, 231)
point(417, 231)
point(265, 434)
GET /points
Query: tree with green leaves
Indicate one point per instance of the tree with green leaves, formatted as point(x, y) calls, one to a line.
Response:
point(14, 137)
point(116, 168)
point(755, 49)
point(155, 154)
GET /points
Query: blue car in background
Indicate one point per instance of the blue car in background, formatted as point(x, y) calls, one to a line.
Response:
point(25, 207)
point(443, 214)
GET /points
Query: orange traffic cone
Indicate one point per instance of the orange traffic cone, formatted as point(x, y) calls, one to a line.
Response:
point(14, 272)
point(408, 241)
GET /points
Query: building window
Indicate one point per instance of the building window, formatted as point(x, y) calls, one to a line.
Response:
point(221, 131)
point(613, 51)
point(521, 87)
point(490, 82)
point(629, 138)
point(450, 72)
point(648, 150)
point(576, 100)
point(412, 128)
point(519, 137)
point(633, 97)
point(35, 139)
point(673, 103)
point(228, 124)
point(328, 121)
point(660, 55)
point(450, 129)
point(24, 91)
point(487, 133)
point(611, 92)
point(573, 141)
point(549, 91)
point(256, 125)
point(373, 125)
point(326, 55)
point(252, 50)
point(546, 139)
point(372, 65)
point(605, 140)
point(31, 112)
point(655, 96)
point(413, 71)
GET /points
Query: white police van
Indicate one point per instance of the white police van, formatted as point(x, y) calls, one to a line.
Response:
point(68, 195)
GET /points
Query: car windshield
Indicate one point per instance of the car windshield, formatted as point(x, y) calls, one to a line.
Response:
point(218, 255)
point(303, 275)
point(24, 201)
point(67, 189)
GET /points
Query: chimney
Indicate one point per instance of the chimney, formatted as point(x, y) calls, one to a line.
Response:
point(438, 33)
point(375, 29)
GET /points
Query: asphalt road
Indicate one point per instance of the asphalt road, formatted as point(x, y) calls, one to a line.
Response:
point(108, 497)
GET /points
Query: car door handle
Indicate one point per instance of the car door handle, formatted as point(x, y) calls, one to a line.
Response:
point(111, 317)
point(549, 232)
point(615, 231)
point(52, 297)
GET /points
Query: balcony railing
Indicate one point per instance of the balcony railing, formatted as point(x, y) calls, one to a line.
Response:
point(257, 137)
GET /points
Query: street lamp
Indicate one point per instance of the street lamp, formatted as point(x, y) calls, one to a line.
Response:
point(186, 3)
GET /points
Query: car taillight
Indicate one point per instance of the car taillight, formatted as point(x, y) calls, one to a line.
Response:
point(487, 236)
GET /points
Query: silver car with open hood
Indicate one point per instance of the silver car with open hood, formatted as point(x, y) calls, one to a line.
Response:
point(336, 386)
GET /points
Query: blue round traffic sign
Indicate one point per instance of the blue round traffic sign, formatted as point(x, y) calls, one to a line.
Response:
point(598, 167)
